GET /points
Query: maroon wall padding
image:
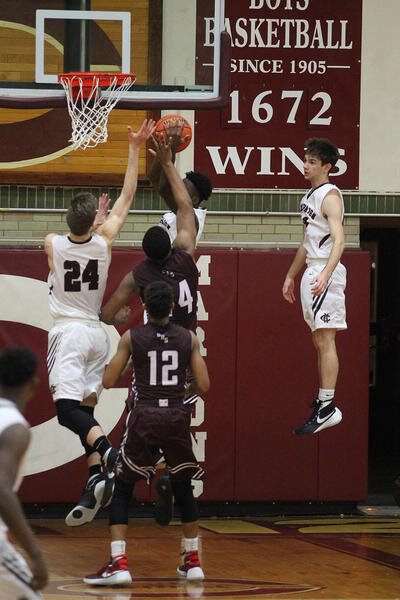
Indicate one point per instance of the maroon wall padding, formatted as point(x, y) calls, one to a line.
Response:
point(263, 375)
point(274, 356)
point(277, 379)
point(343, 458)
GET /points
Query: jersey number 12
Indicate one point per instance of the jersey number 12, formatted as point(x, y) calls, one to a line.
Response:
point(169, 358)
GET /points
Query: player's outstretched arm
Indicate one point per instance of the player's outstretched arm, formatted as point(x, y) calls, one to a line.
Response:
point(199, 369)
point(119, 298)
point(116, 367)
point(119, 212)
point(13, 445)
point(185, 217)
point(156, 173)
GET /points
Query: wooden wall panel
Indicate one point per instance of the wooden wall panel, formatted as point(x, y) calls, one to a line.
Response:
point(54, 161)
point(17, 56)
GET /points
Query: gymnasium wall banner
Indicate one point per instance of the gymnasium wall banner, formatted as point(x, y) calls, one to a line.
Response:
point(262, 369)
point(295, 74)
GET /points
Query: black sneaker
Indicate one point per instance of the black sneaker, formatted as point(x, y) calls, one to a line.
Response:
point(89, 504)
point(163, 507)
point(320, 418)
point(396, 490)
point(109, 459)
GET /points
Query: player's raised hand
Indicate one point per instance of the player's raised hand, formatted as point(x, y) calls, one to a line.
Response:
point(102, 210)
point(173, 131)
point(288, 290)
point(162, 149)
point(146, 130)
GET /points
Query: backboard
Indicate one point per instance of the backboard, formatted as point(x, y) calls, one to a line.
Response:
point(157, 40)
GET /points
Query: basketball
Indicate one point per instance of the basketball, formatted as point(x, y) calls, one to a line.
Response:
point(175, 122)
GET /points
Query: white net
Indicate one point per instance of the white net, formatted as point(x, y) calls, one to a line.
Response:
point(89, 115)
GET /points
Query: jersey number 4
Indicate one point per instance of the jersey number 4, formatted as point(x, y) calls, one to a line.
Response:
point(185, 297)
point(72, 277)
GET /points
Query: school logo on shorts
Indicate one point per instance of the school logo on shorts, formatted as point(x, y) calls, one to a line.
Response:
point(326, 317)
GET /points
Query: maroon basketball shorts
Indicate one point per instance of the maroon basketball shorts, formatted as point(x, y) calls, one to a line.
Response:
point(167, 428)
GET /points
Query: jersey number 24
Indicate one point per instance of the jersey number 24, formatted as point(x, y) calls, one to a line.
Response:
point(73, 279)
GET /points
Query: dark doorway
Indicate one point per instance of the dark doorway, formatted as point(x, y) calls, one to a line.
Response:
point(382, 238)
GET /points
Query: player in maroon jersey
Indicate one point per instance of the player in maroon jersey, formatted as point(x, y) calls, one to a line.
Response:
point(174, 265)
point(161, 352)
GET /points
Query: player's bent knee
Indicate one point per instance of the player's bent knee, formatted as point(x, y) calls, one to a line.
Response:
point(120, 503)
point(74, 417)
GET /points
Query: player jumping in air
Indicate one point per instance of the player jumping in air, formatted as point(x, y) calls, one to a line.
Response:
point(324, 280)
point(198, 185)
point(78, 345)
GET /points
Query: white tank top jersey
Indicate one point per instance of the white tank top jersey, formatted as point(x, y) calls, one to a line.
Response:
point(76, 288)
point(317, 238)
point(168, 222)
point(10, 415)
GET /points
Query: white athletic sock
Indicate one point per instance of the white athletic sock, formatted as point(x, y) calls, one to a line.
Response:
point(117, 548)
point(325, 396)
point(191, 544)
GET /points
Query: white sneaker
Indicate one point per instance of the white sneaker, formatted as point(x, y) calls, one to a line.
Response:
point(191, 568)
point(114, 573)
point(89, 504)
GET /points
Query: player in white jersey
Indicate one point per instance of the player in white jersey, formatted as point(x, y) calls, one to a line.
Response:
point(324, 280)
point(197, 184)
point(78, 345)
point(168, 221)
point(17, 384)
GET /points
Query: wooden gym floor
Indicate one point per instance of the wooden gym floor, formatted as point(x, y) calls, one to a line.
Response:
point(309, 558)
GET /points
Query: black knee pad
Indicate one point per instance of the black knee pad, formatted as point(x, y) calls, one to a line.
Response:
point(75, 417)
point(88, 449)
point(119, 509)
point(185, 501)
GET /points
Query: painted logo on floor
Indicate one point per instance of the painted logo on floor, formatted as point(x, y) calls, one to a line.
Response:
point(165, 587)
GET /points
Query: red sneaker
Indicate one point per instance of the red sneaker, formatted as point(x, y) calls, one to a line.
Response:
point(191, 568)
point(114, 573)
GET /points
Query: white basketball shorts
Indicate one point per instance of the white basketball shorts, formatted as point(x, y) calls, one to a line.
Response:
point(15, 575)
point(327, 310)
point(76, 357)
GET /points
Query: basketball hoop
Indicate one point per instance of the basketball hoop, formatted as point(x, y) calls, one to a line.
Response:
point(88, 108)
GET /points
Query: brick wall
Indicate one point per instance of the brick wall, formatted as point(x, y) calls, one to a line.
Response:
point(273, 230)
